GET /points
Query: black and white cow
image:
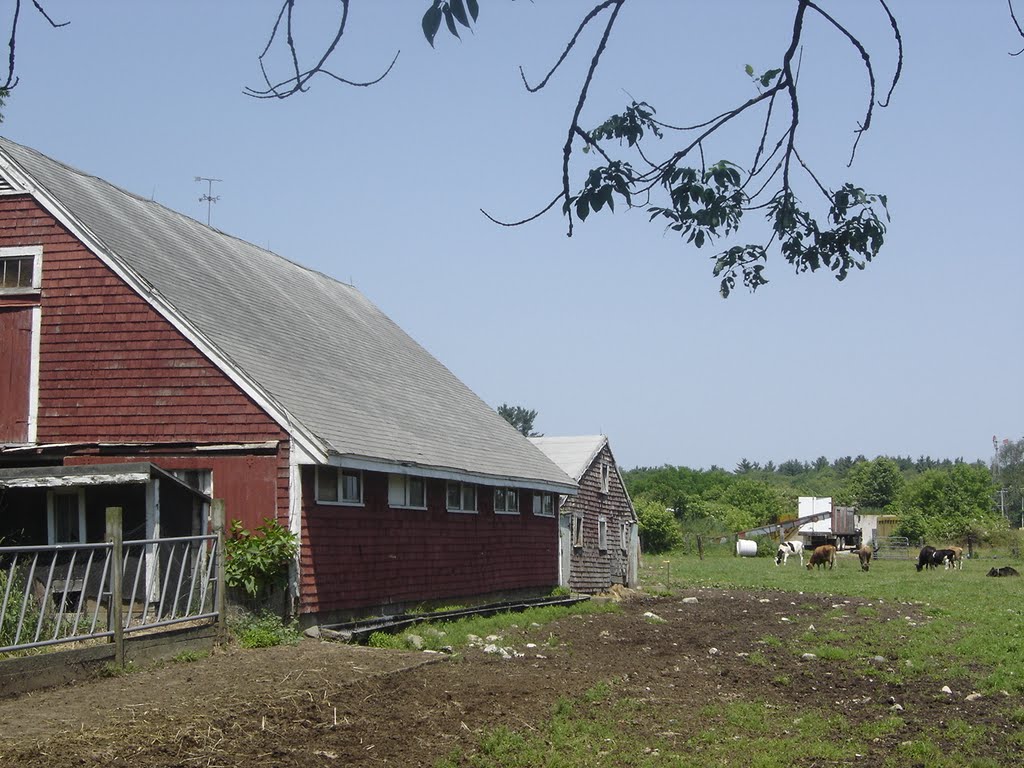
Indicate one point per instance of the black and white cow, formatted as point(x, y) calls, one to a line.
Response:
point(788, 548)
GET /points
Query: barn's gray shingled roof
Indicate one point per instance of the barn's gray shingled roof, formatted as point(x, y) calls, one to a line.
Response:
point(337, 365)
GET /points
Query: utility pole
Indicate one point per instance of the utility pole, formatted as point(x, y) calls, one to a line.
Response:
point(209, 198)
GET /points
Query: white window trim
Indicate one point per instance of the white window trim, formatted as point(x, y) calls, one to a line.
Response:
point(538, 509)
point(339, 474)
point(602, 533)
point(577, 531)
point(459, 510)
point(51, 522)
point(36, 251)
point(506, 511)
point(405, 488)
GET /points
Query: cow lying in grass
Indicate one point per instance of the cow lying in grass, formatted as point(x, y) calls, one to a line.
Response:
point(787, 548)
point(864, 555)
point(1004, 571)
point(821, 555)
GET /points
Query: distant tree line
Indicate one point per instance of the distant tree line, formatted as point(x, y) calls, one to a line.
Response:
point(941, 500)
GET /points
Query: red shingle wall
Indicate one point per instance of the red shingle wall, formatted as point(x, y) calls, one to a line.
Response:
point(111, 368)
point(371, 556)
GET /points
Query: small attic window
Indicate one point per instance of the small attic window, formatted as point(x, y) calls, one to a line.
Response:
point(606, 472)
point(19, 269)
point(17, 272)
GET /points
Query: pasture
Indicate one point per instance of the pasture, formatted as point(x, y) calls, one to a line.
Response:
point(721, 662)
point(975, 624)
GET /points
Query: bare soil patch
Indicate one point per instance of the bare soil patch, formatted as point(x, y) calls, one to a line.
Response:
point(322, 703)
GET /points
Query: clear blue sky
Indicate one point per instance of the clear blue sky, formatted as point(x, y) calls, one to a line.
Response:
point(619, 329)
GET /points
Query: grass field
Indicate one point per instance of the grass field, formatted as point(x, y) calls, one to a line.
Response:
point(950, 625)
point(975, 622)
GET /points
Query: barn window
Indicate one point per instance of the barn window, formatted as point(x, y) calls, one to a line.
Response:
point(606, 472)
point(407, 491)
point(66, 517)
point(602, 533)
point(339, 486)
point(19, 268)
point(543, 504)
point(506, 501)
point(623, 537)
point(577, 531)
point(461, 497)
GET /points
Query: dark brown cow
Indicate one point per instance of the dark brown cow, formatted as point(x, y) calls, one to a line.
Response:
point(821, 555)
point(864, 553)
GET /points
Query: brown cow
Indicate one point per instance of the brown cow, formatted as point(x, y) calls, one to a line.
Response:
point(821, 555)
point(864, 553)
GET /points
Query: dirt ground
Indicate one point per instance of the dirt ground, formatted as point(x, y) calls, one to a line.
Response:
point(322, 703)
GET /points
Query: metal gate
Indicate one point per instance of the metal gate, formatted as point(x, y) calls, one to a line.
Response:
point(892, 548)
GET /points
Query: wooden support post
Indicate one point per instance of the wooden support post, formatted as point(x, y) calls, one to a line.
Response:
point(115, 535)
point(700, 546)
point(220, 603)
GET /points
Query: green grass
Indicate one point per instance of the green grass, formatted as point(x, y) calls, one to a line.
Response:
point(973, 622)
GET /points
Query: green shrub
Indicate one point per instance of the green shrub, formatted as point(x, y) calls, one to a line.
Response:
point(265, 630)
point(258, 561)
point(659, 529)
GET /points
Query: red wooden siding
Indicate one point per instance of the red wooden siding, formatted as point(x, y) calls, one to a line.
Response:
point(371, 556)
point(248, 485)
point(591, 569)
point(111, 368)
point(15, 365)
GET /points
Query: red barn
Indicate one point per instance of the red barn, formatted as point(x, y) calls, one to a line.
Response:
point(131, 334)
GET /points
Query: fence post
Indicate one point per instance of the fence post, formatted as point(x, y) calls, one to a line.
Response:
point(700, 546)
point(115, 535)
point(220, 593)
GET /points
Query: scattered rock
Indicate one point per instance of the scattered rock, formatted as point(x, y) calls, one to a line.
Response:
point(713, 651)
point(491, 648)
point(313, 632)
point(972, 696)
point(414, 641)
point(492, 638)
point(690, 600)
point(878, 659)
point(947, 690)
point(651, 616)
point(809, 657)
point(473, 640)
point(896, 708)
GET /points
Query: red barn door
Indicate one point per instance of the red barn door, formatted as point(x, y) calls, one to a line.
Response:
point(15, 368)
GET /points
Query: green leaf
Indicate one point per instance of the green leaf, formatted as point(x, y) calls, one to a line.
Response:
point(459, 11)
point(749, 70)
point(449, 19)
point(768, 76)
point(431, 23)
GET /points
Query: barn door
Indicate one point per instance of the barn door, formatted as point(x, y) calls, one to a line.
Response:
point(564, 549)
point(15, 372)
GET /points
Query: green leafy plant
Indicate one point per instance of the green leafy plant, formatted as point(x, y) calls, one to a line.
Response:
point(258, 561)
point(265, 630)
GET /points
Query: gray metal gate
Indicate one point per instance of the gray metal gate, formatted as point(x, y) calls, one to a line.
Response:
point(67, 593)
point(892, 548)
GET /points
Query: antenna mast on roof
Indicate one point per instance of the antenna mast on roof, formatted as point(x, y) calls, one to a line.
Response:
point(209, 198)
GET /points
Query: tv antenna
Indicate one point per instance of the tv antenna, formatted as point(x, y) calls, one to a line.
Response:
point(209, 198)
